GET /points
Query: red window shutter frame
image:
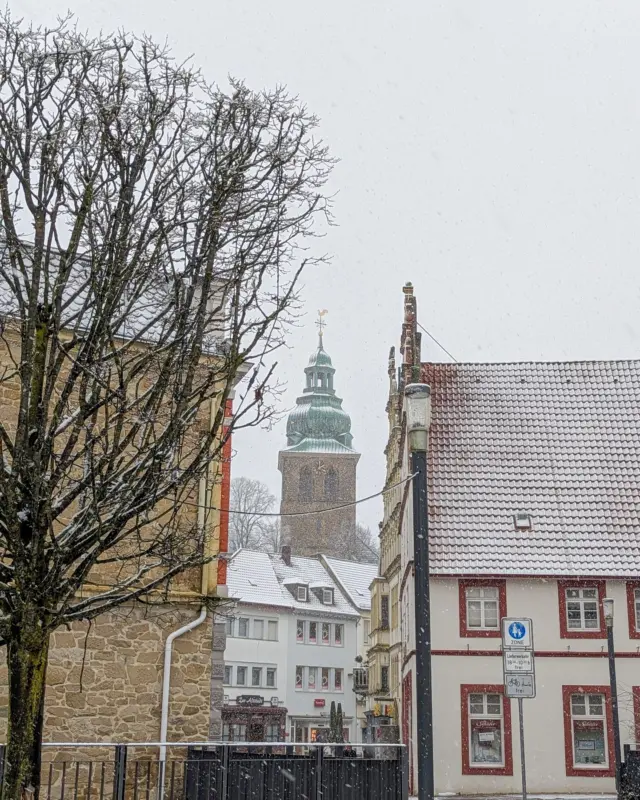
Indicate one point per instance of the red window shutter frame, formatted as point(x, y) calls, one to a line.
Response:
point(585, 772)
point(485, 688)
point(468, 583)
point(565, 633)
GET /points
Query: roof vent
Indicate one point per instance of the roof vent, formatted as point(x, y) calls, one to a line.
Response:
point(522, 521)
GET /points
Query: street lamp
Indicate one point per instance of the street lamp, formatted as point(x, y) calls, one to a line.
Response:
point(607, 607)
point(418, 417)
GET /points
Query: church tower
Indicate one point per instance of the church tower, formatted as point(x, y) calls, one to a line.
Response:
point(318, 465)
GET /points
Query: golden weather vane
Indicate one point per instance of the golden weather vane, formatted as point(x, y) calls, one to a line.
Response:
point(321, 324)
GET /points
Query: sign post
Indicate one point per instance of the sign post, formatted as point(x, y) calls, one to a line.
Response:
point(519, 673)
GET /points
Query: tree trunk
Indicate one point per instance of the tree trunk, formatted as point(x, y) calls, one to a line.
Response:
point(27, 653)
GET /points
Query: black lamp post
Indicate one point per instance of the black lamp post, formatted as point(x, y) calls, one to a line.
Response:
point(607, 605)
point(418, 416)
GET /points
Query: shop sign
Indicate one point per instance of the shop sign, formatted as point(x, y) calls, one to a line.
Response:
point(319, 702)
point(249, 700)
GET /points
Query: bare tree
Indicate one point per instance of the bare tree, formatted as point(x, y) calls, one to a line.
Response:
point(359, 545)
point(153, 230)
point(271, 538)
point(250, 499)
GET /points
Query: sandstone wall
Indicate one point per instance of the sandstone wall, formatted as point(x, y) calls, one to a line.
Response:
point(116, 694)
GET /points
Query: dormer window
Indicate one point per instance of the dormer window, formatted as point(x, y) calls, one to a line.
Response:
point(522, 521)
point(302, 594)
point(327, 597)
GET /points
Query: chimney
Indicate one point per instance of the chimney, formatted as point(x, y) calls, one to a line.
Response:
point(286, 554)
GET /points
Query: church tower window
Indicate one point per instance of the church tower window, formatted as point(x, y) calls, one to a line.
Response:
point(331, 485)
point(306, 484)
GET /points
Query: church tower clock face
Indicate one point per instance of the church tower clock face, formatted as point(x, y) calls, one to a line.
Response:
point(318, 464)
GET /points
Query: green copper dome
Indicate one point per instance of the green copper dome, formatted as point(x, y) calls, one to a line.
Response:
point(318, 423)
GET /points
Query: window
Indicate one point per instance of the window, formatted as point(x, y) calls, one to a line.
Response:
point(313, 632)
point(302, 594)
point(580, 609)
point(482, 608)
point(300, 630)
point(483, 603)
point(384, 679)
point(256, 676)
point(271, 678)
point(241, 676)
point(311, 678)
point(229, 625)
point(325, 679)
point(298, 677)
point(273, 733)
point(234, 733)
point(272, 630)
point(326, 633)
point(331, 485)
point(243, 627)
point(337, 680)
point(633, 609)
point(587, 729)
point(367, 630)
point(337, 635)
point(305, 486)
point(327, 597)
point(384, 611)
point(394, 607)
point(228, 673)
point(486, 731)
point(258, 629)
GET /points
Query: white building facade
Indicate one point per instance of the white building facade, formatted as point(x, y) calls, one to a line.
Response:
point(533, 486)
point(292, 642)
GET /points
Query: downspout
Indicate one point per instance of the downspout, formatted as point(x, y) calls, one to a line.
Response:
point(195, 623)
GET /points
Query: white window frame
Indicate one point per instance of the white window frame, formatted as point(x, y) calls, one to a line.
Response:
point(322, 641)
point(315, 639)
point(581, 601)
point(230, 626)
point(484, 596)
point(485, 714)
point(336, 643)
point(226, 682)
point(299, 671)
point(270, 624)
point(238, 675)
point(636, 608)
point(302, 594)
point(257, 670)
point(301, 639)
point(312, 671)
point(601, 717)
point(328, 686)
point(247, 622)
point(256, 623)
point(336, 672)
point(273, 685)
point(327, 597)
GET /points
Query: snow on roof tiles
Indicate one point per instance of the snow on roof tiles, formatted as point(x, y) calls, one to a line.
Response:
point(354, 579)
point(558, 441)
point(261, 578)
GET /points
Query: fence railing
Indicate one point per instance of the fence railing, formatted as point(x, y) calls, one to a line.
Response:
point(222, 771)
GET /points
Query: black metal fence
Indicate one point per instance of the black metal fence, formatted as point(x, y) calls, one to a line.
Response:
point(214, 771)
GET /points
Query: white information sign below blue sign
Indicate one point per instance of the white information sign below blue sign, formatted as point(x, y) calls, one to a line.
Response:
point(517, 633)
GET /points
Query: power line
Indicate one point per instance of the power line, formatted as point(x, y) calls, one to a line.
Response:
point(301, 513)
point(442, 347)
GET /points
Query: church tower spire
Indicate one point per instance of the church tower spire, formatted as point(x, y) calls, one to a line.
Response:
point(318, 464)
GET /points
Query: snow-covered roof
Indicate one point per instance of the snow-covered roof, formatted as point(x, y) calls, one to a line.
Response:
point(557, 441)
point(262, 578)
point(354, 580)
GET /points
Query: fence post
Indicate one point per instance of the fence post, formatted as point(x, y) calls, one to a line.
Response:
point(319, 762)
point(120, 772)
point(404, 773)
point(225, 772)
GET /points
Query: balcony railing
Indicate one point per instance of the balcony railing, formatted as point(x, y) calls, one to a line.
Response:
point(361, 679)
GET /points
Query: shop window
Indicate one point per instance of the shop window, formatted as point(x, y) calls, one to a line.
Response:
point(486, 731)
point(272, 630)
point(337, 635)
point(325, 679)
point(258, 629)
point(271, 678)
point(298, 677)
point(300, 630)
point(243, 627)
point(633, 609)
point(313, 633)
point(234, 733)
point(326, 633)
point(588, 731)
point(228, 672)
point(241, 676)
point(272, 733)
point(256, 676)
point(580, 604)
point(482, 605)
point(337, 680)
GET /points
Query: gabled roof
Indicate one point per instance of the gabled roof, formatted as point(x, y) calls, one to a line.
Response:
point(262, 578)
point(559, 441)
point(354, 579)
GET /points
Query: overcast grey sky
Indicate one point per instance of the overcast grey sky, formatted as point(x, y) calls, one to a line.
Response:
point(490, 153)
